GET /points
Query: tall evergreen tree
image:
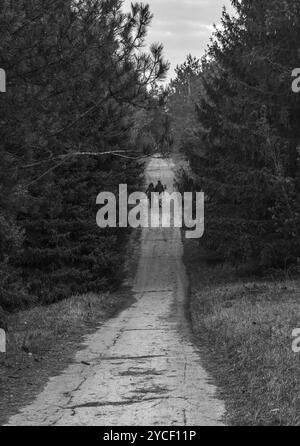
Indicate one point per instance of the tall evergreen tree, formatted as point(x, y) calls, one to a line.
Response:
point(77, 71)
point(245, 153)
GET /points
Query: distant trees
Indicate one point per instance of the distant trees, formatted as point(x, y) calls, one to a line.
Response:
point(77, 73)
point(244, 147)
point(183, 92)
point(153, 130)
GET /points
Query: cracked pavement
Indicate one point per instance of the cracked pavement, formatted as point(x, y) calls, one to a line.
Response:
point(140, 368)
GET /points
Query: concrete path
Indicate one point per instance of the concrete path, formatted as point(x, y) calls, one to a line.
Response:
point(142, 368)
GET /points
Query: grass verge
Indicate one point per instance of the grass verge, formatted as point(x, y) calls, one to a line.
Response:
point(243, 327)
point(43, 341)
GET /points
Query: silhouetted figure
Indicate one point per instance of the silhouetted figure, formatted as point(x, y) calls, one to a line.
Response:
point(150, 191)
point(159, 188)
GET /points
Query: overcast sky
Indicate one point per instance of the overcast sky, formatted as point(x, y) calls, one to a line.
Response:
point(183, 26)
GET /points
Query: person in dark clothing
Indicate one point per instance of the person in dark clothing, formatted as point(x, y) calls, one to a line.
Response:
point(150, 191)
point(159, 188)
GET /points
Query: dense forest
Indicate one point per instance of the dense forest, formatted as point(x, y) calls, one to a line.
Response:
point(83, 106)
point(78, 80)
point(209, 333)
point(236, 119)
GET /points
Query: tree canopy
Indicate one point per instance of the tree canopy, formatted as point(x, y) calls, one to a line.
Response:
point(243, 132)
point(77, 74)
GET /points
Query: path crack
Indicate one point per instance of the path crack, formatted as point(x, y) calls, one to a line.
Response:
point(113, 403)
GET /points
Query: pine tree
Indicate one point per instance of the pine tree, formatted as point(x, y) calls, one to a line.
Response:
point(245, 156)
point(76, 73)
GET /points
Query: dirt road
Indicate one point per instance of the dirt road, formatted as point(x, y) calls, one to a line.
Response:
point(140, 368)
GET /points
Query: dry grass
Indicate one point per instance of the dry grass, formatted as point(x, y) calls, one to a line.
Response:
point(35, 330)
point(245, 331)
point(42, 342)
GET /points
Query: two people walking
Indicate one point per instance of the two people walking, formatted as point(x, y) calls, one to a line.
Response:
point(158, 189)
